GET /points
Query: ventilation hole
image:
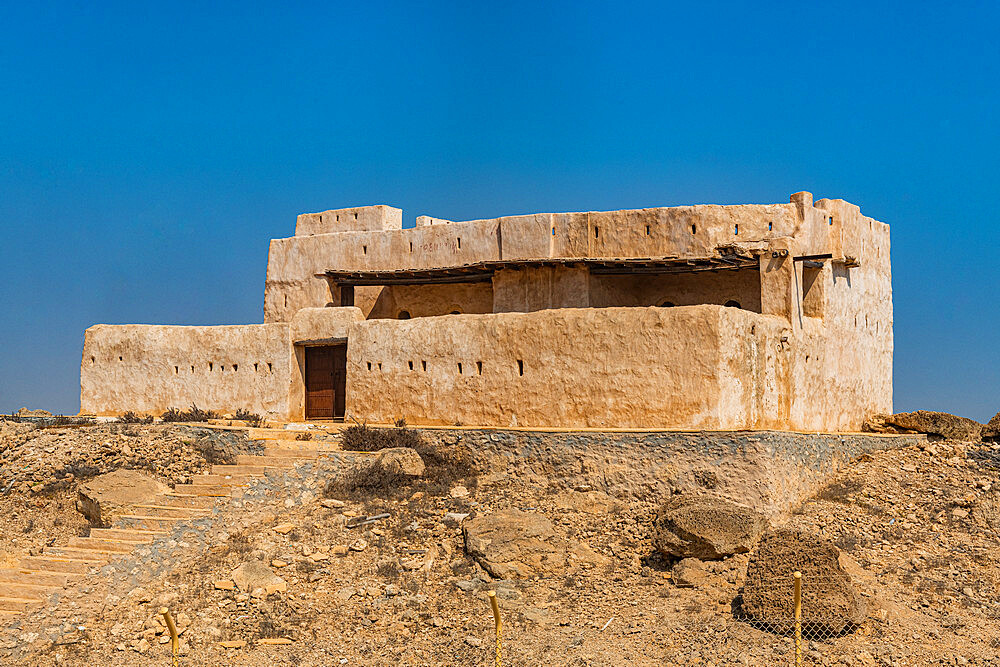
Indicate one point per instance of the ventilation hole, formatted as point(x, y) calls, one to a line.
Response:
point(355, 216)
point(403, 315)
point(286, 301)
point(479, 367)
point(93, 360)
point(269, 367)
point(424, 365)
point(192, 369)
point(733, 304)
point(459, 242)
point(831, 219)
point(553, 231)
point(411, 364)
point(120, 359)
point(597, 232)
point(770, 226)
point(667, 304)
point(338, 218)
point(364, 249)
point(753, 329)
point(807, 358)
point(411, 246)
point(460, 368)
point(694, 229)
point(380, 365)
point(255, 367)
point(647, 230)
point(235, 368)
point(369, 365)
point(177, 369)
point(736, 229)
point(210, 366)
point(520, 367)
point(455, 312)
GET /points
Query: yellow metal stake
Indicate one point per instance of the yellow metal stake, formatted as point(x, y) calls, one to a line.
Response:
point(496, 617)
point(798, 619)
point(174, 640)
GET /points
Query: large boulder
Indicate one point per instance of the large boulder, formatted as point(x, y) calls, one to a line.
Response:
point(991, 432)
point(106, 496)
point(940, 424)
point(706, 528)
point(258, 579)
point(400, 459)
point(832, 601)
point(511, 544)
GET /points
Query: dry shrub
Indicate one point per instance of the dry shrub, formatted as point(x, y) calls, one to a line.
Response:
point(368, 481)
point(192, 414)
point(251, 418)
point(135, 418)
point(364, 438)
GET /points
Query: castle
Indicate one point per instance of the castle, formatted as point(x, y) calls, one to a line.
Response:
point(704, 317)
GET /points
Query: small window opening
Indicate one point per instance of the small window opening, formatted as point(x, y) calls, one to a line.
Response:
point(192, 369)
point(255, 367)
point(459, 242)
point(732, 303)
point(770, 226)
point(667, 304)
point(553, 231)
point(460, 368)
point(380, 365)
point(355, 216)
point(597, 232)
point(694, 229)
point(286, 301)
point(423, 364)
point(338, 218)
point(520, 367)
point(269, 367)
point(369, 365)
point(411, 364)
point(93, 360)
point(831, 219)
point(120, 359)
point(736, 229)
point(479, 367)
point(236, 368)
point(210, 366)
point(647, 230)
point(411, 246)
point(364, 249)
point(177, 369)
point(403, 315)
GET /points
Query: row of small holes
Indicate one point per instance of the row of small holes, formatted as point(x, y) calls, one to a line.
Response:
point(479, 366)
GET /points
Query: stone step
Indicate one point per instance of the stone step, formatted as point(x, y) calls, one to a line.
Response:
point(167, 511)
point(126, 535)
point(228, 480)
point(17, 576)
point(183, 500)
point(17, 604)
point(267, 461)
point(272, 434)
point(97, 556)
point(245, 470)
point(51, 564)
point(102, 544)
point(299, 452)
point(205, 489)
point(27, 591)
point(146, 522)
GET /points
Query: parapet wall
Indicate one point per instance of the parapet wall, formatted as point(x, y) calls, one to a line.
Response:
point(692, 367)
point(151, 368)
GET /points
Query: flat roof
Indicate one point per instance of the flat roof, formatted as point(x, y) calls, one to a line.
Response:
point(483, 271)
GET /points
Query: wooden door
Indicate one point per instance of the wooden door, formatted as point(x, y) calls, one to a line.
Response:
point(326, 381)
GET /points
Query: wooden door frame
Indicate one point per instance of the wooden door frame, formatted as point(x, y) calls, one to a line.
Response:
point(339, 388)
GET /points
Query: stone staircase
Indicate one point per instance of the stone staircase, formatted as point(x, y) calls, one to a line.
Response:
point(35, 578)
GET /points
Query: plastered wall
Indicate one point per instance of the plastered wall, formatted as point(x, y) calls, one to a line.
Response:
point(691, 367)
point(151, 368)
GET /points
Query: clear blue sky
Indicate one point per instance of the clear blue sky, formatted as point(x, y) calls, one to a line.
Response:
point(148, 152)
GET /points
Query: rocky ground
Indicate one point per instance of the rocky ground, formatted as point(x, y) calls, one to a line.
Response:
point(582, 586)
